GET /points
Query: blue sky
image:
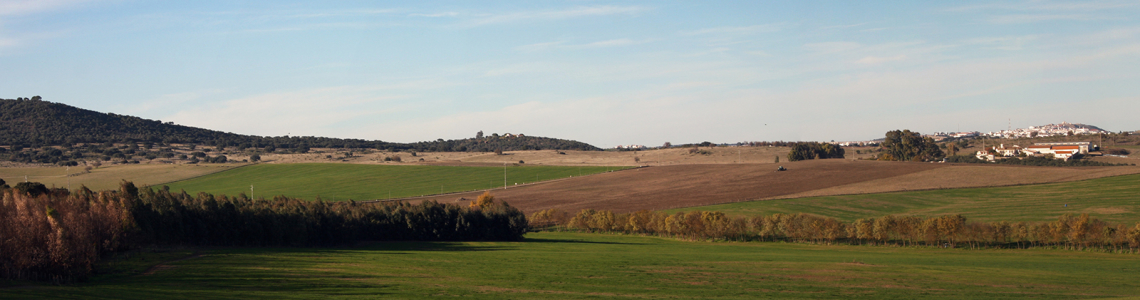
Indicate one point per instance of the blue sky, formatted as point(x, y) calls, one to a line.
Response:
point(602, 72)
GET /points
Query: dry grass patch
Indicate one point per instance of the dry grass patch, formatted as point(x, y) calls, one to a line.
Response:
point(108, 177)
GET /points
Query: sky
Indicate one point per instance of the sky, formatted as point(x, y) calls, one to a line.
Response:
point(602, 72)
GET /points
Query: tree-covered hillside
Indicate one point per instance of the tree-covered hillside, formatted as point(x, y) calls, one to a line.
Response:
point(31, 123)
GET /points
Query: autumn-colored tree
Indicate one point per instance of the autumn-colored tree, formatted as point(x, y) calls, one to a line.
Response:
point(484, 200)
point(865, 229)
point(693, 225)
point(639, 221)
point(883, 228)
point(674, 224)
point(1134, 236)
point(950, 226)
point(582, 219)
point(548, 217)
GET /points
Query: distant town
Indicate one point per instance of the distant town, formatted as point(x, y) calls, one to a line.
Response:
point(1060, 129)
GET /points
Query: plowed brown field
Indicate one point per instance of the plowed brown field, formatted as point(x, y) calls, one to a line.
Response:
point(665, 187)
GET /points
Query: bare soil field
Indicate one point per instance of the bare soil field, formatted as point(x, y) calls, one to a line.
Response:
point(675, 186)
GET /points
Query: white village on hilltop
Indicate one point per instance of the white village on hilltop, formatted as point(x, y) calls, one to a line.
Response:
point(1063, 129)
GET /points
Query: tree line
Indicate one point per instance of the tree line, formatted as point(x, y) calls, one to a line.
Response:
point(814, 150)
point(1069, 232)
point(58, 235)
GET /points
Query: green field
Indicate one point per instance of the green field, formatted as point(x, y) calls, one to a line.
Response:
point(576, 266)
point(1114, 199)
point(367, 182)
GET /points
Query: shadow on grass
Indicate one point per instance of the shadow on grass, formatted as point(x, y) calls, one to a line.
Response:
point(432, 246)
point(534, 240)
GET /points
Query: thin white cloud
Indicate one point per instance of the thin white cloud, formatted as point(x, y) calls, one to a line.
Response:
point(539, 46)
point(737, 30)
point(1037, 5)
point(874, 60)
point(24, 7)
point(1033, 18)
point(846, 26)
point(1004, 43)
point(557, 14)
point(830, 47)
point(8, 42)
point(436, 15)
point(315, 26)
point(563, 45)
point(613, 43)
point(1114, 34)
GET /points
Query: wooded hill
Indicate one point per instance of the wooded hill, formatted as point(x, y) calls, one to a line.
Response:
point(34, 123)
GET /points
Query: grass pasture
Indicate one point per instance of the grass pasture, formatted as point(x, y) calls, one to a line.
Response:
point(576, 266)
point(367, 182)
point(1114, 199)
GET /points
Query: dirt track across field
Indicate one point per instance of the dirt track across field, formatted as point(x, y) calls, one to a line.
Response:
point(666, 187)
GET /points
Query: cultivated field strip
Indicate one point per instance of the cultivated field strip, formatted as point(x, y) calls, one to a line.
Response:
point(340, 182)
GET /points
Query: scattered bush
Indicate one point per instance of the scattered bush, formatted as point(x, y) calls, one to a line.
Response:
point(1117, 151)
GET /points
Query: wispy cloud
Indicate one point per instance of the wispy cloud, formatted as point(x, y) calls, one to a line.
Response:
point(737, 30)
point(613, 43)
point(1038, 5)
point(1033, 18)
point(23, 7)
point(564, 45)
point(539, 46)
point(435, 15)
point(314, 26)
point(830, 47)
point(1043, 11)
point(846, 26)
point(305, 14)
point(8, 42)
point(1003, 43)
point(557, 14)
point(874, 60)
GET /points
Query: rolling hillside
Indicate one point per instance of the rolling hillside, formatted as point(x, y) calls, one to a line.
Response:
point(33, 123)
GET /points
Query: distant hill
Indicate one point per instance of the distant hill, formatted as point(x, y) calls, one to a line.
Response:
point(34, 123)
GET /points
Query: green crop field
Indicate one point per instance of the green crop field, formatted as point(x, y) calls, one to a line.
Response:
point(575, 266)
point(1114, 199)
point(368, 182)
